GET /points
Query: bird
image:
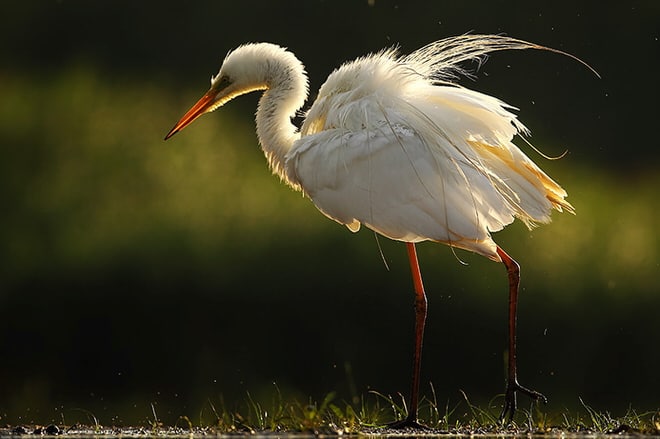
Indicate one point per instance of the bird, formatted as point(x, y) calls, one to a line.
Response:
point(394, 143)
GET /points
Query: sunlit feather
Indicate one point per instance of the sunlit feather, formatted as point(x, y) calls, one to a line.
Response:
point(392, 143)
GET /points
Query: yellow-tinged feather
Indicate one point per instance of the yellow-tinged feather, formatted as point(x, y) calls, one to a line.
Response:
point(521, 165)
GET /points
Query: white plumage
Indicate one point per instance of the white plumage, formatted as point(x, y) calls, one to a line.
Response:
point(415, 158)
point(393, 144)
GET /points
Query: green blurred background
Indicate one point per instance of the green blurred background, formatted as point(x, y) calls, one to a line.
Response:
point(182, 274)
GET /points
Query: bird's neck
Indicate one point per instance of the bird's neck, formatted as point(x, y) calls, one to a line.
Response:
point(277, 106)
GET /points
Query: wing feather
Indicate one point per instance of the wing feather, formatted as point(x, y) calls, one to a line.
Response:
point(390, 144)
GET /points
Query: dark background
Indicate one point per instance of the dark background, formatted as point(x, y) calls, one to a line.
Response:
point(181, 274)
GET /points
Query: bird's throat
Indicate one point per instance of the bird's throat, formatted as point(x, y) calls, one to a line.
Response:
point(276, 132)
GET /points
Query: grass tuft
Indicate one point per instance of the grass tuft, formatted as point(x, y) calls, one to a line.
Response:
point(370, 415)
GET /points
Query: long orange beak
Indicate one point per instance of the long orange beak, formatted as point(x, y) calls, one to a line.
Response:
point(201, 107)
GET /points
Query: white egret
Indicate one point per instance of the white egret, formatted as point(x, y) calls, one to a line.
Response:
point(392, 143)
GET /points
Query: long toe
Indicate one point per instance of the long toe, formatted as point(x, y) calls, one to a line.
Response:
point(511, 400)
point(536, 396)
point(510, 405)
point(405, 424)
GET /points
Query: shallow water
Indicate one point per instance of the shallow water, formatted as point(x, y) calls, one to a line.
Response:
point(145, 433)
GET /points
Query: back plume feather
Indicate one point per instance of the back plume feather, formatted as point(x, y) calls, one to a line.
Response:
point(441, 60)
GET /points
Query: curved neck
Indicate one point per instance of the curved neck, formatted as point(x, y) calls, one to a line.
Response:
point(284, 96)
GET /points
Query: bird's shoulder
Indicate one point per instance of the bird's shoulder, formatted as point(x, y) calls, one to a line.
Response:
point(358, 93)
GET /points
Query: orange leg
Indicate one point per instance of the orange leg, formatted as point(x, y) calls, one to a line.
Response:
point(512, 385)
point(420, 321)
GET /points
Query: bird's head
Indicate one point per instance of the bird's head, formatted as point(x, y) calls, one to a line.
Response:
point(248, 68)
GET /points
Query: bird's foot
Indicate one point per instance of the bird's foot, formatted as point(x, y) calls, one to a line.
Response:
point(511, 400)
point(409, 423)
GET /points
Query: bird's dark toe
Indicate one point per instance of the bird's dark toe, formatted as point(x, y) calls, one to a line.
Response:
point(511, 400)
point(408, 423)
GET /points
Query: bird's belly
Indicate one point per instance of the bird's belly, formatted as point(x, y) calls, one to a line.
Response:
point(395, 187)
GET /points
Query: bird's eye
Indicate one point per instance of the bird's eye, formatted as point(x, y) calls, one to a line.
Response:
point(222, 82)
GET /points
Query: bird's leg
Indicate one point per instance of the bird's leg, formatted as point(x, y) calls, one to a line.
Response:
point(512, 386)
point(420, 321)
